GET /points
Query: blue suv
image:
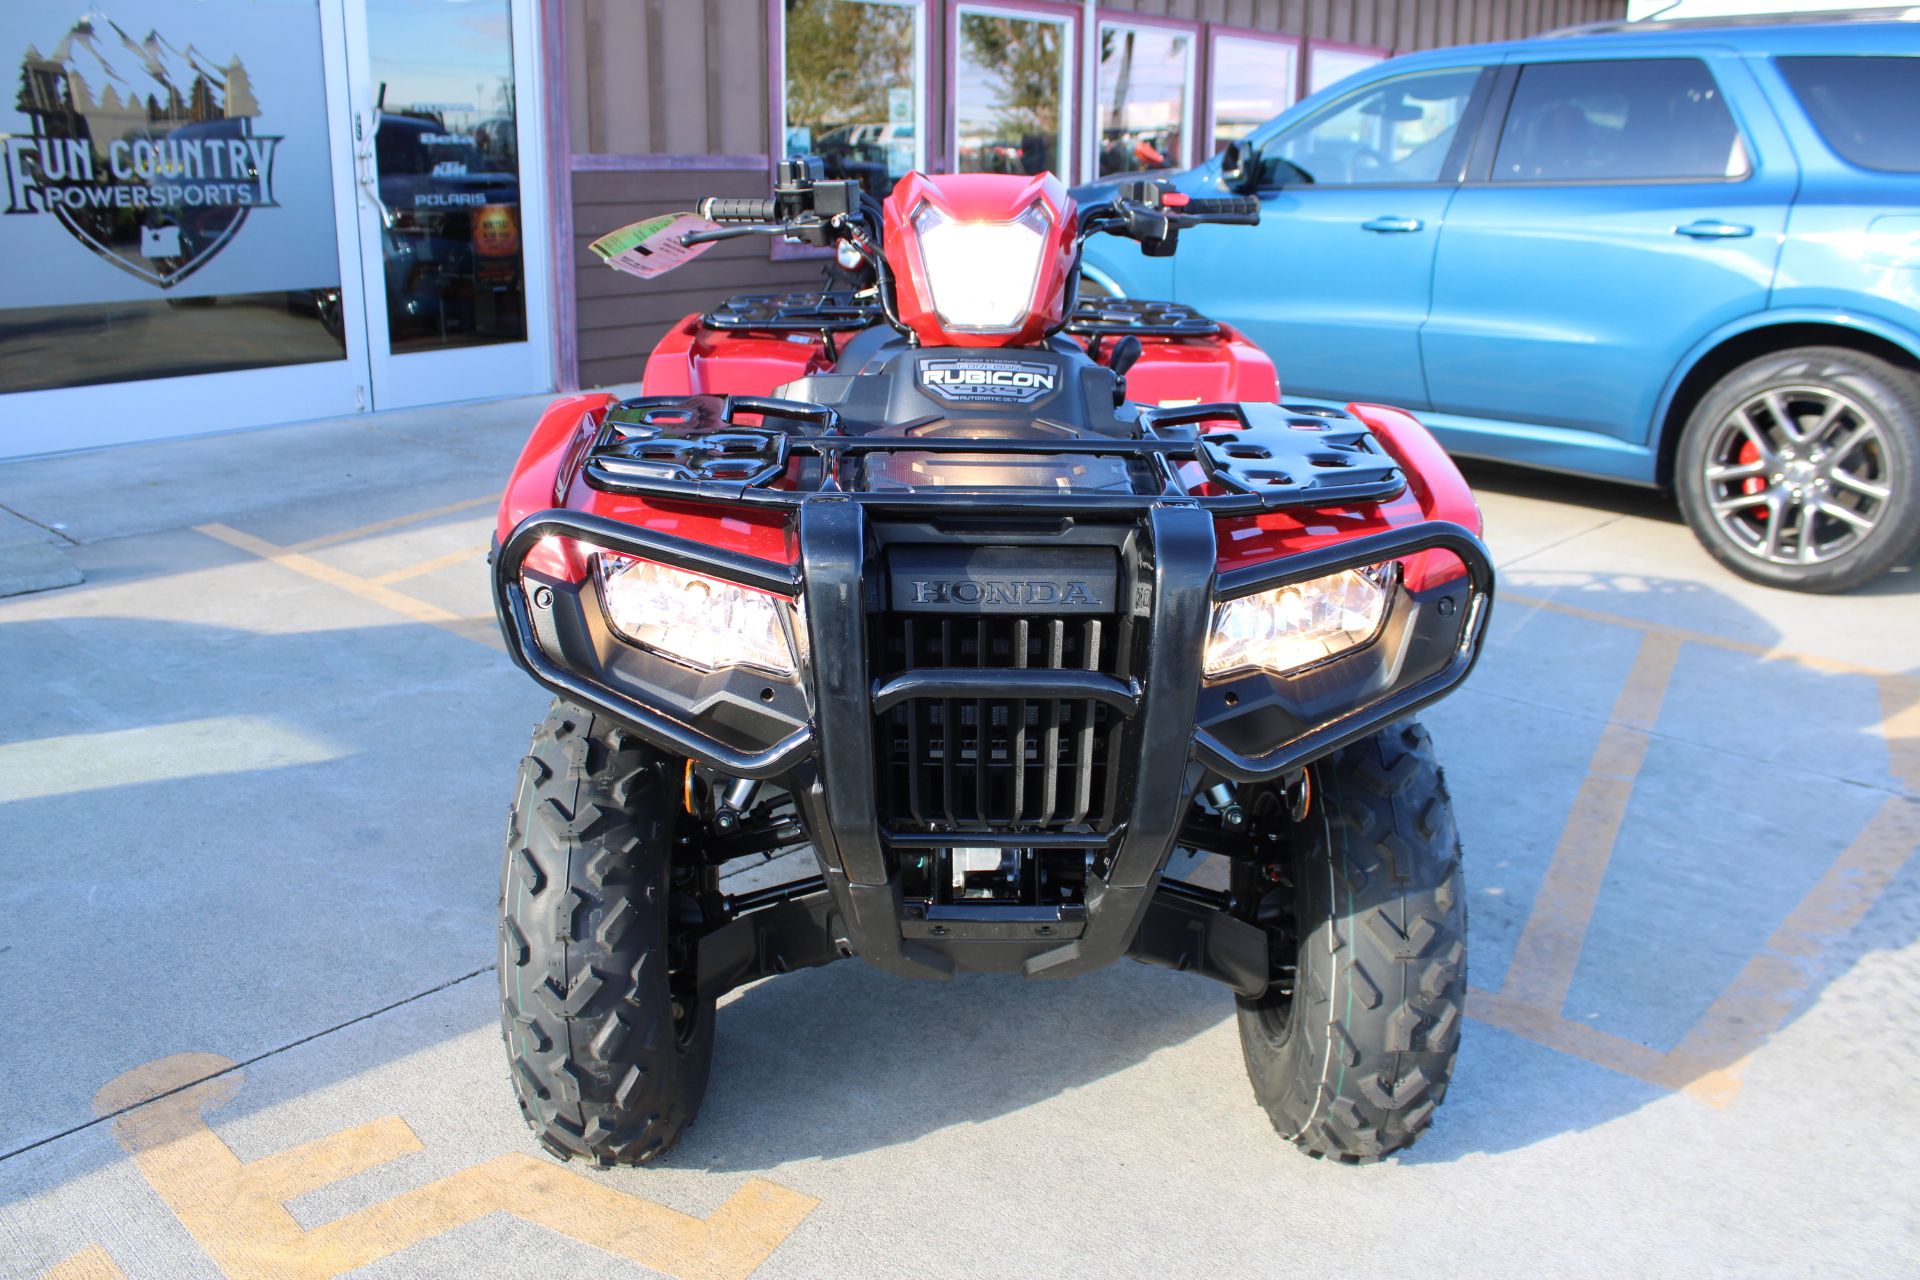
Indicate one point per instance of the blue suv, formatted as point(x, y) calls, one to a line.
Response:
point(1681, 254)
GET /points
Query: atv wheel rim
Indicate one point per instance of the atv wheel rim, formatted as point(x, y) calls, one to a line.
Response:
point(1798, 475)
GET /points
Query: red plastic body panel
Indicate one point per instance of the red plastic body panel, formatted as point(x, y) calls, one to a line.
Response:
point(979, 197)
point(695, 360)
point(1224, 367)
point(1435, 491)
point(548, 475)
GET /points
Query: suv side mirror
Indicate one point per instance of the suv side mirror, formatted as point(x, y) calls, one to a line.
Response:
point(1233, 167)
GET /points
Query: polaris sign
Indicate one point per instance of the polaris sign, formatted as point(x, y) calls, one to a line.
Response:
point(989, 380)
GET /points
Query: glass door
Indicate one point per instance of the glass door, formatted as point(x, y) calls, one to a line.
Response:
point(452, 216)
point(176, 221)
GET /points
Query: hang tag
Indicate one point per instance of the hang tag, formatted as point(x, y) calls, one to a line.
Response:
point(652, 248)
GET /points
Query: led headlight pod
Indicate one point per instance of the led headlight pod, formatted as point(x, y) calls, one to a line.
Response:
point(981, 274)
point(703, 622)
point(1293, 627)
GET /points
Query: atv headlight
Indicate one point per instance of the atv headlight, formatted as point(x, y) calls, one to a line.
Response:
point(981, 274)
point(706, 623)
point(1293, 627)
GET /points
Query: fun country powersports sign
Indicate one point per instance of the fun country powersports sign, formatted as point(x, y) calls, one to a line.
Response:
point(134, 148)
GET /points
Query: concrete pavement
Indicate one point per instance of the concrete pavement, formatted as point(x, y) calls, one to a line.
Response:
point(252, 781)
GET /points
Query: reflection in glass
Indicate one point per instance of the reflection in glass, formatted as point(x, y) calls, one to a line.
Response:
point(1396, 133)
point(1326, 66)
point(447, 154)
point(1252, 83)
point(82, 346)
point(852, 82)
point(1010, 85)
point(1143, 98)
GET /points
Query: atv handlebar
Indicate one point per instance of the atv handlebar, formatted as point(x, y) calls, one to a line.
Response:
point(738, 209)
point(1230, 210)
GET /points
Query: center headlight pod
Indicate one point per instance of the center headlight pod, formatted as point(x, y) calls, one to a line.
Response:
point(981, 275)
point(702, 622)
point(1296, 626)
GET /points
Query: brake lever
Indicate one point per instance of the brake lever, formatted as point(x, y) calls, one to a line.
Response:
point(733, 233)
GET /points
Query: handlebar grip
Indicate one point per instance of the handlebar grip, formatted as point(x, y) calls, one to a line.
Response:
point(738, 209)
point(1221, 206)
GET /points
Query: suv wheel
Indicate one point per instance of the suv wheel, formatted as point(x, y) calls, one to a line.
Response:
point(608, 1038)
point(1802, 469)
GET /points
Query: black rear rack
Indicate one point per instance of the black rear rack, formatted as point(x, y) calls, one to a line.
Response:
point(1117, 317)
point(813, 311)
point(1264, 457)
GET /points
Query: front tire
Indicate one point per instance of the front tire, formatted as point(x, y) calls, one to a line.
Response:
point(1352, 1047)
point(1802, 469)
point(607, 1038)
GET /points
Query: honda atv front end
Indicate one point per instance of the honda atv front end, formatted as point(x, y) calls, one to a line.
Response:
point(995, 639)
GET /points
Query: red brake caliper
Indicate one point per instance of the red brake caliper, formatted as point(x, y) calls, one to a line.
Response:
point(1749, 454)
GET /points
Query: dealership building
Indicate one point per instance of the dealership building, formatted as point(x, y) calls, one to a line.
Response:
point(227, 213)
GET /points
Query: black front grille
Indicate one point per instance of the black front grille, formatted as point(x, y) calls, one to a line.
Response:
point(999, 764)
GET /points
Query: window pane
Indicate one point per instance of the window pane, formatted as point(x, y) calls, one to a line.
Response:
point(1618, 121)
point(166, 211)
point(1143, 98)
point(851, 88)
point(447, 152)
point(1864, 107)
point(1010, 85)
point(1395, 133)
point(1252, 83)
point(1326, 67)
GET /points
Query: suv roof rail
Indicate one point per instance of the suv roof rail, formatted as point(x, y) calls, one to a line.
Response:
point(1792, 18)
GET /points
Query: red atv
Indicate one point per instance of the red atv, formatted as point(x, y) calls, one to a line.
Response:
point(996, 600)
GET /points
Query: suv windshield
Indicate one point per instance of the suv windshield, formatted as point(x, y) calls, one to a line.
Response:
point(1865, 108)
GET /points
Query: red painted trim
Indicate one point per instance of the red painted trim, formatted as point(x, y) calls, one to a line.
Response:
point(1069, 137)
point(1218, 31)
point(588, 163)
point(556, 106)
point(1125, 18)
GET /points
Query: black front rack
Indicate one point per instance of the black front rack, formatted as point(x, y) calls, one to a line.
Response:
point(1264, 457)
point(812, 311)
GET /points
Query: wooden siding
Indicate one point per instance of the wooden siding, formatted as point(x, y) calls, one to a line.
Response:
point(678, 77)
point(620, 318)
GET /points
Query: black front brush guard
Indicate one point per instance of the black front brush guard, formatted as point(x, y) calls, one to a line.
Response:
point(858, 907)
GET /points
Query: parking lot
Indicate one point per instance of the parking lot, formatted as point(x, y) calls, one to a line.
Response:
point(253, 778)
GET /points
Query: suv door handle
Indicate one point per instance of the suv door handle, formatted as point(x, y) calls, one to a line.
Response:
point(1392, 225)
point(1713, 229)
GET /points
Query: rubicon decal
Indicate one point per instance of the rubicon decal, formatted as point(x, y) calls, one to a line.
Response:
point(155, 166)
point(998, 381)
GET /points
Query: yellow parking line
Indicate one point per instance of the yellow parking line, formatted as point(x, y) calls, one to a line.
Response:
point(381, 526)
point(1549, 946)
point(466, 555)
point(1772, 653)
point(237, 1210)
point(91, 1263)
point(286, 558)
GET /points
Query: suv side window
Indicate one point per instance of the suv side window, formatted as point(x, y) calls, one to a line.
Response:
point(1393, 133)
point(1865, 108)
point(1642, 119)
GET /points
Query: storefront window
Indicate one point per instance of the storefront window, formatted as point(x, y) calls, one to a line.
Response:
point(1011, 91)
point(1329, 64)
point(168, 199)
point(1253, 81)
point(1145, 77)
point(853, 87)
point(447, 150)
